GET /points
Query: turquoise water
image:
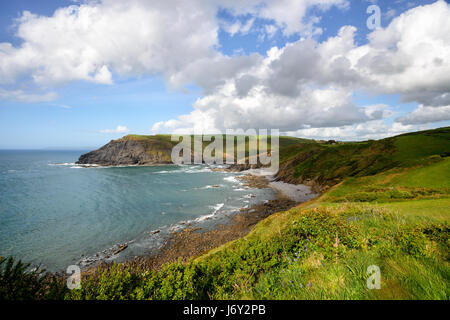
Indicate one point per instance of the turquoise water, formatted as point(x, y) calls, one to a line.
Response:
point(55, 213)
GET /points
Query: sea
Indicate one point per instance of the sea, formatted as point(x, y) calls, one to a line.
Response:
point(54, 213)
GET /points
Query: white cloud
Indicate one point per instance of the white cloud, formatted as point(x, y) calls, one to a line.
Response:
point(290, 16)
point(376, 129)
point(309, 85)
point(411, 56)
point(91, 41)
point(237, 26)
point(118, 129)
point(94, 39)
point(426, 114)
point(22, 96)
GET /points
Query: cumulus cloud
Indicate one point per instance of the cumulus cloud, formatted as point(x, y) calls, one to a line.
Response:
point(118, 129)
point(375, 129)
point(309, 85)
point(411, 56)
point(289, 16)
point(297, 86)
point(91, 41)
point(426, 114)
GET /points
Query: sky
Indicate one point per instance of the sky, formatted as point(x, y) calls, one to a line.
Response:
point(77, 74)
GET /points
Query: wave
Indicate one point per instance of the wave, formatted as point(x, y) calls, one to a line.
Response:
point(63, 164)
point(216, 186)
point(231, 179)
point(152, 240)
point(74, 165)
point(217, 207)
point(187, 169)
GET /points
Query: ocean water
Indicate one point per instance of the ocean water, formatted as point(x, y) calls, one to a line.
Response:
point(55, 213)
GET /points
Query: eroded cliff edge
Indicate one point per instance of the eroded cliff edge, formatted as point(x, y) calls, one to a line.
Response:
point(130, 151)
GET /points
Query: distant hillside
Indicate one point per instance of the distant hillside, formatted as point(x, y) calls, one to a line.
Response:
point(316, 163)
point(324, 165)
point(155, 149)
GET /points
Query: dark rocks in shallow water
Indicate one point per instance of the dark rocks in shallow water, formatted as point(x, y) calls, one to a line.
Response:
point(121, 248)
point(127, 151)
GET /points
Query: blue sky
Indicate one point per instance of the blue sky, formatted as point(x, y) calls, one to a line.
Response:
point(80, 112)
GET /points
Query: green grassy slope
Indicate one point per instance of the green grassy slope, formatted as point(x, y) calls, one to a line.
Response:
point(163, 144)
point(330, 164)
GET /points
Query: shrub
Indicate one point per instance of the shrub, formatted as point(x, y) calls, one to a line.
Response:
point(19, 283)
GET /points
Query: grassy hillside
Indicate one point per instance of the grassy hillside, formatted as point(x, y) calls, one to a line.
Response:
point(387, 205)
point(327, 165)
point(162, 144)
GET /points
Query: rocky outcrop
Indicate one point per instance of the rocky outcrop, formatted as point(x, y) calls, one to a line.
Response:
point(129, 152)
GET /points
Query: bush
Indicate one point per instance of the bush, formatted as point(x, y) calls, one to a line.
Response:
point(18, 283)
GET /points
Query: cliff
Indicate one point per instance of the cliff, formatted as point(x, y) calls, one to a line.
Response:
point(131, 150)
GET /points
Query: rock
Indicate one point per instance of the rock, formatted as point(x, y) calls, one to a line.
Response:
point(121, 248)
point(126, 151)
point(156, 231)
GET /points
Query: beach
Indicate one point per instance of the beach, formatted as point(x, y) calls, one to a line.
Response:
point(192, 242)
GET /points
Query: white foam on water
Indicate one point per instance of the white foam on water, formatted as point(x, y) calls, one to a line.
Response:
point(203, 218)
point(63, 164)
point(215, 186)
point(231, 179)
point(217, 207)
point(186, 169)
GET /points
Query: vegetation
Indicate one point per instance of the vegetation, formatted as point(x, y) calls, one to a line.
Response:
point(387, 205)
point(18, 282)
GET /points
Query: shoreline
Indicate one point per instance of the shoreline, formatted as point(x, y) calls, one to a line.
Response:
point(194, 241)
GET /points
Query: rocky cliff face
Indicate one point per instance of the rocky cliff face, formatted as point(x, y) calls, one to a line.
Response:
point(129, 152)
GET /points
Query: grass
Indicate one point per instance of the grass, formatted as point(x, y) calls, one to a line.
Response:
point(315, 253)
point(163, 144)
point(412, 147)
point(423, 210)
point(429, 179)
